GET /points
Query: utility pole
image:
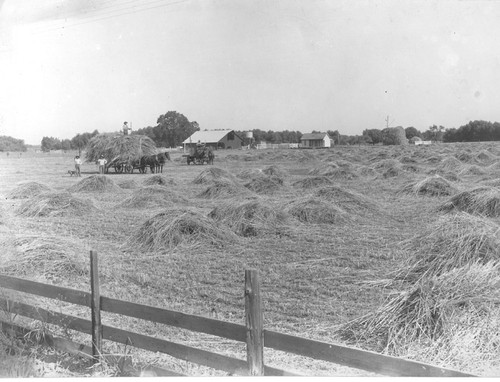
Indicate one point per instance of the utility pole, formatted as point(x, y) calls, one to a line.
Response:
point(387, 122)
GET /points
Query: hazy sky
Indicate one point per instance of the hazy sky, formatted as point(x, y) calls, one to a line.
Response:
point(73, 66)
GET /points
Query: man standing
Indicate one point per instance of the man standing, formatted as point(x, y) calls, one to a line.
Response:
point(102, 164)
point(126, 128)
point(78, 163)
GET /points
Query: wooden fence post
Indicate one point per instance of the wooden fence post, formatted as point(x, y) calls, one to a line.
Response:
point(95, 306)
point(254, 324)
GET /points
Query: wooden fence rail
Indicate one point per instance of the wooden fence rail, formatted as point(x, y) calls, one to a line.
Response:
point(252, 333)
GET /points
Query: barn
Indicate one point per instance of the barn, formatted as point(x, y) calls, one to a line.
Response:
point(314, 140)
point(215, 139)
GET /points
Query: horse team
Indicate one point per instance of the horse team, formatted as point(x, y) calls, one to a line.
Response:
point(154, 162)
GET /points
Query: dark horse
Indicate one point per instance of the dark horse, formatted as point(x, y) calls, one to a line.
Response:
point(161, 159)
point(154, 162)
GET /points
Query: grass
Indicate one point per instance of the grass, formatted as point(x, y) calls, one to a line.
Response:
point(333, 262)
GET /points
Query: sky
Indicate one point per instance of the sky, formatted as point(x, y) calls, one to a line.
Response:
point(73, 66)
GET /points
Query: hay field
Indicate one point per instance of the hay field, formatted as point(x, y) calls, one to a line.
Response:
point(340, 236)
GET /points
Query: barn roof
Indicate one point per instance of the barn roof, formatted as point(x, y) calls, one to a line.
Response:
point(313, 136)
point(207, 136)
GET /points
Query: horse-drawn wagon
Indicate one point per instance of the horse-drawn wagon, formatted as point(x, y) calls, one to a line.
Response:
point(122, 152)
point(200, 155)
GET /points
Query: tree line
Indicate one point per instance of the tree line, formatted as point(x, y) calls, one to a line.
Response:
point(173, 128)
point(11, 144)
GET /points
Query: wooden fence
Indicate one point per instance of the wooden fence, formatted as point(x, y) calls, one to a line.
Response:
point(252, 333)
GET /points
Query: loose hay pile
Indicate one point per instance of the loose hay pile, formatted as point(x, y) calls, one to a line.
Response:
point(55, 204)
point(128, 184)
point(222, 188)
point(347, 200)
point(450, 164)
point(119, 147)
point(250, 174)
point(27, 190)
point(158, 180)
point(432, 186)
point(324, 170)
point(472, 170)
point(152, 196)
point(453, 241)
point(479, 201)
point(316, 211)
point(275, 171)
point(251, 218)
point(213, 174)
point(174, 227)
point(441, 317)
point(313, 182)
point(265, 185)
point(52, 258)
point(95, 183)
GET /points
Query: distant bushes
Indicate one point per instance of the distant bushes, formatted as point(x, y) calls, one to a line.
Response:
point(11, 144)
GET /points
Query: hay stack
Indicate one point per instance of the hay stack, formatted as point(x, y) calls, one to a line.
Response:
point(342, 170)
point(175, 227)
point(438, 317)
point(95, 183)
point(349, 201)
point(450, 164)
point(386, 164)
point(275, 171)
point(151, 197)
point(213, 174)
point(431, 186)
point(55, 204)
point(313, 182)
point(367, 171)
point(324, 170)
point(484, 157)
point(466, 157)
point(128, 184)
point(119, 147)
point(250, 218)
point(491, 183)
point(265, 185)
point(27, 190)
point(158, 180)
point(453, 241)
point(478, 201)
point(393, 172)
point(52, 258)
point(316, 211)
point(222, 188)
point(434, 160)
point(250, 174)
point(472, 170)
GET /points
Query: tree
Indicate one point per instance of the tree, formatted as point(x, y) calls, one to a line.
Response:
point(434, 133)
point(375, 135)
point(11, 144)
point(334, 134)
point(412, 132)
point(173, 128)
point(79, 141)
point(50, 143)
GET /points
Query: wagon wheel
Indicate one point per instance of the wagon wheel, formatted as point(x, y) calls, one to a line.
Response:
point(118, 168)
point(129, 168)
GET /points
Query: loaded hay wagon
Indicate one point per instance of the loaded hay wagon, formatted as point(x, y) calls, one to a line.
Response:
point(123, 152)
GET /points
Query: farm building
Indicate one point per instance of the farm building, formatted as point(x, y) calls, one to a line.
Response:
point(215, 139)
point(315, 140)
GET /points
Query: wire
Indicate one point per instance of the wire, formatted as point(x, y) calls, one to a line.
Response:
point(117, 12)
